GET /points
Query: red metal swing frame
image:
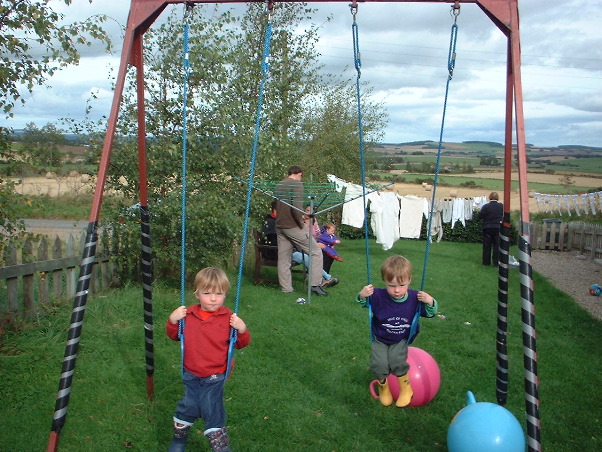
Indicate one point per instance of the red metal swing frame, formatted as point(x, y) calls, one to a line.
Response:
point(503, 13)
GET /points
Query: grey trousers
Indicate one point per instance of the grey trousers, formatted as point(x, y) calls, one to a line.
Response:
point(300, 238)
point(389, 359)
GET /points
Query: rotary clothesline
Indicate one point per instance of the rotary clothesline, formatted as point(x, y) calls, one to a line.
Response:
point(321, 196)
point(584, 202)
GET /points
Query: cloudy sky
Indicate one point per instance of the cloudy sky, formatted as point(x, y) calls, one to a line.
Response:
point(404, 49)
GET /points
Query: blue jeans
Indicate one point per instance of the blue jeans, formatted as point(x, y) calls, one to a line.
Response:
point(203, 398)
point(302, 258)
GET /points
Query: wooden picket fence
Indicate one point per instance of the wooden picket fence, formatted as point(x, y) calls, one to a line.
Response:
point(567, 236)
point(40, 272)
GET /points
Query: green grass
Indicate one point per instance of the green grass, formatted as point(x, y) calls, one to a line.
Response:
point(65, 207)
point(582, 165)
point(482, 182)
point(302, 384)
point(444, 161)
point(586, 165)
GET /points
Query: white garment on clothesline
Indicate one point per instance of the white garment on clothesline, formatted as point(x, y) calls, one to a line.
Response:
point(385, 219)
point(410, 216)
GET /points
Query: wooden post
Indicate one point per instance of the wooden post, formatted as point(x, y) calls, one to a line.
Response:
point(28, 295)
point(71, 274)
point(12, 284)
point(43, 297)
point(57, 275)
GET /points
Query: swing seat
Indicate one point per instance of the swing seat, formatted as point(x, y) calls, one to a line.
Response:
point(267, 256)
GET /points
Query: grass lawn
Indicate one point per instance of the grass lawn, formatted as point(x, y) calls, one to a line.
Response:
point(302, 384)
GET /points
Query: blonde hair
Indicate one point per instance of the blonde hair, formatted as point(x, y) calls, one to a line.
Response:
point(211, 278)
point(396, 269)
point(330, 226)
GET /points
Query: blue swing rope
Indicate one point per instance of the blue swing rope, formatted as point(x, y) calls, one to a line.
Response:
point(186, 65)
point(265, 70)
point(358, 68)
point(451, 63)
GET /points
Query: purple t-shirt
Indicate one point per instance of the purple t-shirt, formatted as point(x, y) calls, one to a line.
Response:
point(391, 320)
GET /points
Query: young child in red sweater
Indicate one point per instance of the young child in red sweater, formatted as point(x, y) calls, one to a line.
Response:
point(206, 334)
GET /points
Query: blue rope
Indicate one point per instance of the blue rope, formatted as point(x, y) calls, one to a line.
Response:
point(358, 68)
point(184, 170)
point(451, 63)
point(265, 69)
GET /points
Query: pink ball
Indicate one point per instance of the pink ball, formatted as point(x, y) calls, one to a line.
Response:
point(425, 378)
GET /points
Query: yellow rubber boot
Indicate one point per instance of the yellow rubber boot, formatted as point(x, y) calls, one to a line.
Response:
point(405, 391)
point(384, 394)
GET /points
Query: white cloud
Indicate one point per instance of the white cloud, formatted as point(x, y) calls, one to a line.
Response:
point(404, 49)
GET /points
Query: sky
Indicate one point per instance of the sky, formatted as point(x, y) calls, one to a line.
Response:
point(404, 55)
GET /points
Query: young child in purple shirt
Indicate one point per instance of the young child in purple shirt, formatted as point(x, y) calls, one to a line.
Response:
point(393, 309)
point(328, 238)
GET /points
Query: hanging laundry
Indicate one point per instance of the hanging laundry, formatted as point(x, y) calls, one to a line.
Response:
point(446, 213)
point(436, 222)
point(353, 209)
point(468, 208)
point(576, 204)
point(410, 216)
point(385, 219)
point(479, 201)
point(536, 196)
point(592, 202)
point(558, 206)
point(584, 203)
point(567, 204)
point(458, 211)
point(339, 184)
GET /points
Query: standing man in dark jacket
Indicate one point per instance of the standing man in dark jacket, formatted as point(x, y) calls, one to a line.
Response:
point(293, 233)
point(492, 214)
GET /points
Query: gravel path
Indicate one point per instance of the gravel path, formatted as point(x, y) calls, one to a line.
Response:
point(573, 274)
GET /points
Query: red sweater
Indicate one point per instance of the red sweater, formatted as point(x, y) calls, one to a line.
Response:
point(206, 341)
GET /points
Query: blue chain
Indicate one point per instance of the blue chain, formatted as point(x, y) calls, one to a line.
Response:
point(358, 68)
point(186, 64)
point(451, 63)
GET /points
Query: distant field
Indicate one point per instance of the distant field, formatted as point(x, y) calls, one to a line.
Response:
point(584, 165)
point(591, 165)
point(567, 160)
point(539, 182)
point(445, 160)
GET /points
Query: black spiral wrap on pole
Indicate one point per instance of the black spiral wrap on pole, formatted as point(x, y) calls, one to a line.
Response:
point(529, 345)
point(75, 328)
point(502, 313)
point(147, 293)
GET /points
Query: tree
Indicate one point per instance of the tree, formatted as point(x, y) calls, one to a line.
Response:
point(567, 181)
point(33, 46)
point(25, 27)
point(11, 227)
point(331, 131)
point(225, 59)
point(41, 146)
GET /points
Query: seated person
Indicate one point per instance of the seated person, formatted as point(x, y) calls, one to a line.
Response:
point(302, 258)
point(268, 233)
point(329, 239)
point(327, 260)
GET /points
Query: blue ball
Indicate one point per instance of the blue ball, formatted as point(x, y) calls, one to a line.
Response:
point(595, 290)
point(483, 426)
